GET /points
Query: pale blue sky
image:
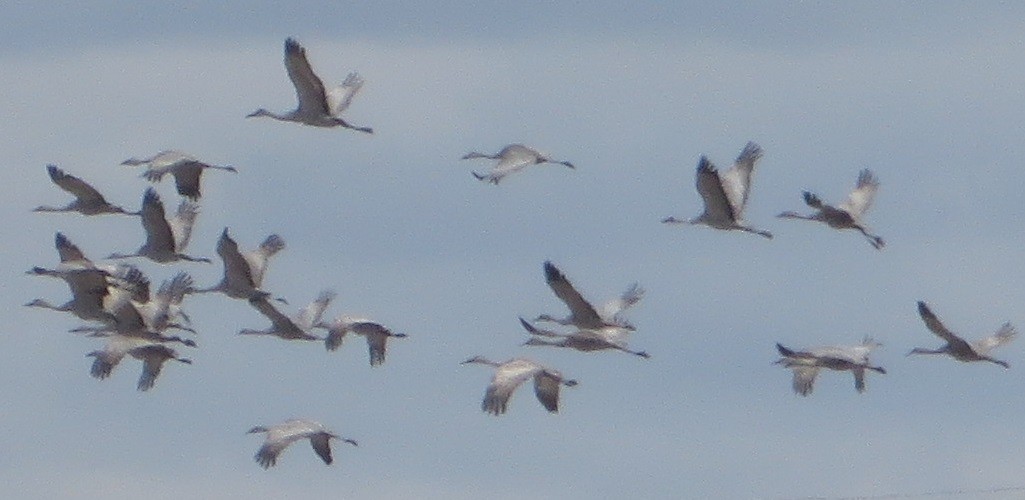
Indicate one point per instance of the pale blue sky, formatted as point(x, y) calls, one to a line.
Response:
point(929, 98)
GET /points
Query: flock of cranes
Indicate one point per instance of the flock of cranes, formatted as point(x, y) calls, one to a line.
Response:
point(117, 302)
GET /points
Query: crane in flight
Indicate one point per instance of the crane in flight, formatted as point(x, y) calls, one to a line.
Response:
point(318, 106)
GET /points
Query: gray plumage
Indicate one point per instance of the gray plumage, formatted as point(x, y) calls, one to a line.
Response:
point(958, 348)
point(807, 364)
point(725, 195)
point(511, 374)
point(511, 159)
point(317, 107)
point(279, 436)
point(850, 213)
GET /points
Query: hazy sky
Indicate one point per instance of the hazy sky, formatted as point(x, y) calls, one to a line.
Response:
point(929, 98)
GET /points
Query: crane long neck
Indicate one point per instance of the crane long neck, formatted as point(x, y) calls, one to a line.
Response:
point(47, 208)
point(795, 215)
point(539, 342)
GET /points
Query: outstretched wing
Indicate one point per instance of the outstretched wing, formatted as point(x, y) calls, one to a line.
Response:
point(505, 380)
point(68, 251)
point(309, 90)
point(237, 272)
point(934, 325)
point(339, 98)
point(612, 309)
point(859, 201)
point(85, 193)
point(736, 181)
point(311, 314)
point(186, 178)
point(1005, 334)
point(546, 387)
point(322, 445)
point(154, 221)
point(710, 187)
point(584, 314)
point(282, 323)
point(259, 258)
point(804, 379)
point(181, 225)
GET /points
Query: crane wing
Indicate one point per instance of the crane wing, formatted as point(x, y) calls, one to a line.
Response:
point(186, 178)
point(311, 314)
point(710, 187)
point(322, 445)
point(339, 98)
point(546, 387)
point(612, 309)
point(934, 325)
point(153, 357)
point(511, 164)
point(505, 380)
point(859, 378)
point(68, 251)
point(81, 190)
point(259, 258)
point(1005, 334)
point(541, 332)
point(173, 291)
point(377, 339)
point(181, 224)
point(309, 90)
point(335, 335)
point(282, 323)
point(154, 222)
point(584, 314)
point(804, 379)
point(237, 273)
point(860, 199)
point(736, 181)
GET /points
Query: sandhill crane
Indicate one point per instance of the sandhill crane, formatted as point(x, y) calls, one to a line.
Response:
point(243, 272)
point(317, 106)
point(849, 214)
point(157, 311)
point(69, 252)
point(165, 239)
point(376, 335)
point(133, 321)
point(957, 347)
point(89, 288)
point(292, 329)
point(725, 195)
point(167, 303)
point(582, 314)
point(511, 374)
point(185, 168)
point(281, 435)
point(581, 340)
point(511, 159)
point(806, 364)
point(151, 354)
point(88, 201)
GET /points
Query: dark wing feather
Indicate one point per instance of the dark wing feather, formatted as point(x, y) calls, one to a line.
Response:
point(309, 90)
point(709, 185)
point(546, 387)
point(935, 326)
point(67, 250)
point(77, 187)
point(154, 222)
point(322, 445)
point(186, 179)
point(235, 264)
point(584, 314)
